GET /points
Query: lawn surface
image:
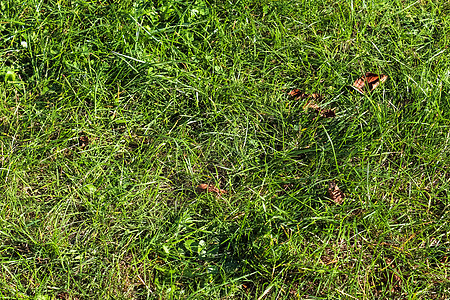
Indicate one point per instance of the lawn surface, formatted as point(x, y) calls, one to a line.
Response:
point(113, 113)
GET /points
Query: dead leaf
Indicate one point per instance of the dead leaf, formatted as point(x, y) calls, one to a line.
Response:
point(63, 296)
point(203, 188)
point(83, 141)
point(297, 94)
point(369, 82)
point(335, 193)
point(327, 113)
point(312, 102)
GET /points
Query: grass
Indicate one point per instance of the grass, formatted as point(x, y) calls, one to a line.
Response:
point(113, 112)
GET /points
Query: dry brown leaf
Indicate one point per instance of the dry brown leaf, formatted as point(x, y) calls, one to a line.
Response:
point(83, 141)
point(369, 82)
point(210, 189)
point(294, 93)
point(335, 193)
point(63, 296)
point(297, 94)
point(327, 113)
point(311, 102)
point(316, 96)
